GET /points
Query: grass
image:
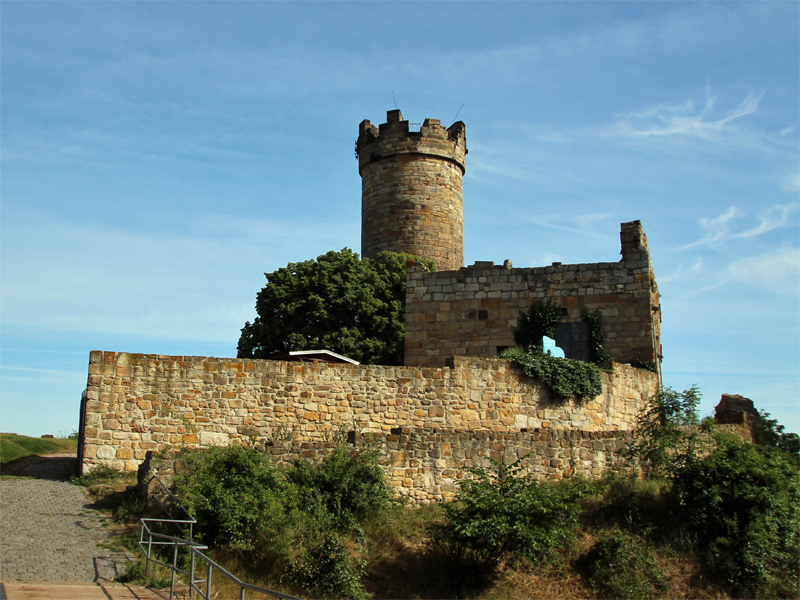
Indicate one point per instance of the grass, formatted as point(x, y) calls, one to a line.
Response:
point(13, 446)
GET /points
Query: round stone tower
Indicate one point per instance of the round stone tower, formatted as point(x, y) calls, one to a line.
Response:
point(411, 189)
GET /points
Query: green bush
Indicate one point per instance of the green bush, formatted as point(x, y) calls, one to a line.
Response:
point(621, 565)
point(663, 441)
point(327, 569)
point(769, 433)
point(565, 377)
point(302, 522)
point(637, 505)
point(234, 493)
point(503, 515)
point(743, 504)
point(351, 486)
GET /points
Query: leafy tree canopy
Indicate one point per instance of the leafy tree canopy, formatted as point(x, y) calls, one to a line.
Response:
point(338, 302)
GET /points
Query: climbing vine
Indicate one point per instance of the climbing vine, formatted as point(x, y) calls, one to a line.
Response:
point(539, 320)
point(647, 365)
point(597, 338)
point(543, 316)
point(564, 377)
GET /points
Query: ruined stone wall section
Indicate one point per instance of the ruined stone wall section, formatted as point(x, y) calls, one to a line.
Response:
point(141, 402)
point(473, 311)
point(426, 466)
point(411, 189)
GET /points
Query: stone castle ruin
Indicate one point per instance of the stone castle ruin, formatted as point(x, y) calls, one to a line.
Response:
point(411, 201)
point(451, 404)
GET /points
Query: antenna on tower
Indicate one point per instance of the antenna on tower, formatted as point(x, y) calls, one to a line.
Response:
point(458, 113)
point(395, 101)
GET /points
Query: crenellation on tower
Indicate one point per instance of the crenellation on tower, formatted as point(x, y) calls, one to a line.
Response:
point(411, 184)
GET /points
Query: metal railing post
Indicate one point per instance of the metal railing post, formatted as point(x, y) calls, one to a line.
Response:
point(162, 539)
point(174, 567)
point(149, 552)
point(191, 576)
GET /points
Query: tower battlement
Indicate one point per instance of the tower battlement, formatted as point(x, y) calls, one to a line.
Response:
point(411, 189)
point(395, 137)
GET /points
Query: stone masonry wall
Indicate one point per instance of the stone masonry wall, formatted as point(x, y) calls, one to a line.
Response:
point(429, 422)
point(473, 311)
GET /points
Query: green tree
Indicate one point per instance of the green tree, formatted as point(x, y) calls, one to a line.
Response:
point(338, 302)
point(664, 441)
point(742, 501)
point(302, 524)
point(768, 432)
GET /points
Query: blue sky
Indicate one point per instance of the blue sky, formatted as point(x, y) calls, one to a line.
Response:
point(159, 157)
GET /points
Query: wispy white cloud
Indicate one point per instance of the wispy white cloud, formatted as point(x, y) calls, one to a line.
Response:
point(686, 120)
point(775, 272)
point(788, 130)
point(6, 368)
point(722, 228)
point(581, 224)
point(791, 182)
point(772, 218)
point(66, 276)
point(680, 273)
point(716, 228)
point(767, 275)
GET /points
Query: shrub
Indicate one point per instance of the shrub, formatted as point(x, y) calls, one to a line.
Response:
point(234, 493)
point(621, 565)
point(327, 569)
point(663, 442)
point(637, 505)
point(301, 520)
point(351, 486)
point(503, 515)
point(743, 504)
point(565, 377)
point(769, 433)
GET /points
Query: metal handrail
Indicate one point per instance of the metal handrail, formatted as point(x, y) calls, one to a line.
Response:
point(168, 509)
point(161, 539)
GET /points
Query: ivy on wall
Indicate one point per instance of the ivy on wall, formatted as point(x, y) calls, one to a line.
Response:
point(647, 365)
point(597, 337)
point(539, 320)
point(564, 377)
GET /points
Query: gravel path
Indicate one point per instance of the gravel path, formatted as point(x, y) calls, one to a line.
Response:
point(48, 531)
